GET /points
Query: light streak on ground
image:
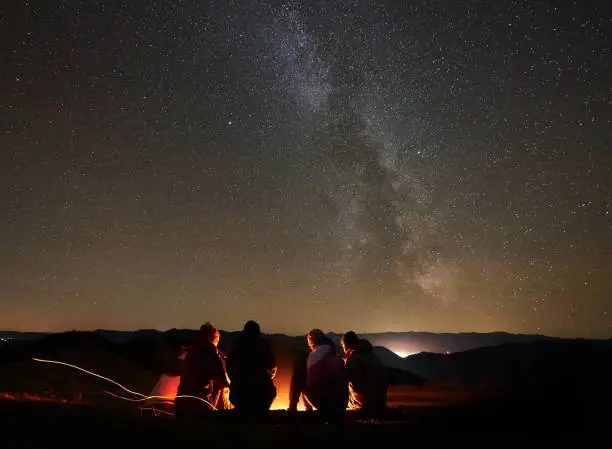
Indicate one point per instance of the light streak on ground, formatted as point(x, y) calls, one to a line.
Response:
point(90, 373)
point(143, 397)
point(165, 398)
point(157, 410)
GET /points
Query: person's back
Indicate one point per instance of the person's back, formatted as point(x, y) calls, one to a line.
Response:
point(368, 378)
point(251, 367)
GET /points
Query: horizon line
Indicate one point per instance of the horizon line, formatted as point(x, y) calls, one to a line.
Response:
point(302, 334)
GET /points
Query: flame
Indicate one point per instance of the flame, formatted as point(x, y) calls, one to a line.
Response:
point(281, 402)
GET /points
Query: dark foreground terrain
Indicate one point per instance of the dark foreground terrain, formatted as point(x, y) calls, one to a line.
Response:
point(531, 395)
point(514, 424)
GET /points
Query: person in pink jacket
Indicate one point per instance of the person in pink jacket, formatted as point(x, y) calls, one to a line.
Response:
point(326, 377)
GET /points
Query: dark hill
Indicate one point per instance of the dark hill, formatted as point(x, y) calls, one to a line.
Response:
point(83, 349)
point(544, 360)
point(389, 358)
point(123, 336)
point(399, 342)
point(414, 342)
point(58, 342)
point(49, 345)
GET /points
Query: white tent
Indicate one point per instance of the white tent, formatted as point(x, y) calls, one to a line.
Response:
point(164, 393)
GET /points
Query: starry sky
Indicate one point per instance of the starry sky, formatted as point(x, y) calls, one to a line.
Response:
point(380, 166)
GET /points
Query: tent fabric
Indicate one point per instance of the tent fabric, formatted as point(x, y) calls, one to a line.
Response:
point(166, 387)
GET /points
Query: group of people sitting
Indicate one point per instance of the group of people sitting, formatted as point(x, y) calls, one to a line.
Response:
point(331, 383)
point(323, 379)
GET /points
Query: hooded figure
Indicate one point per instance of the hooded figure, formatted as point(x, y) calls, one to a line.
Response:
point(202, 375)
point(326, 376)
point(367, 376)
point(251, 366)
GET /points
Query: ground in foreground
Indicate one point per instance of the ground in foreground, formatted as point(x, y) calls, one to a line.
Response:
point(30, 424)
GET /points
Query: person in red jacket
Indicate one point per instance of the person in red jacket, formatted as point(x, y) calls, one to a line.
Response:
point(202, 375)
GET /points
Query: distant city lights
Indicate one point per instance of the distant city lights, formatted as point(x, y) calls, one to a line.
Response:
point(403, 353)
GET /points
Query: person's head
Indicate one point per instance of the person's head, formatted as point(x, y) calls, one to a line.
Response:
point(315, 337)
point(251, 329)
point(209, 333)
point(349, 340)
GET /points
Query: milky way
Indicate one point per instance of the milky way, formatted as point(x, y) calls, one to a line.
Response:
point(377, 166)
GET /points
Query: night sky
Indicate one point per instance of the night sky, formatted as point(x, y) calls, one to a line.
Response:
point(380, 166)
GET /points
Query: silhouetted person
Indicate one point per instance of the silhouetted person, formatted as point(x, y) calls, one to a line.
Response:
point(202, 375)
point(297, 388)
point(326, 382)
point(251, 366)
point(367, 376)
